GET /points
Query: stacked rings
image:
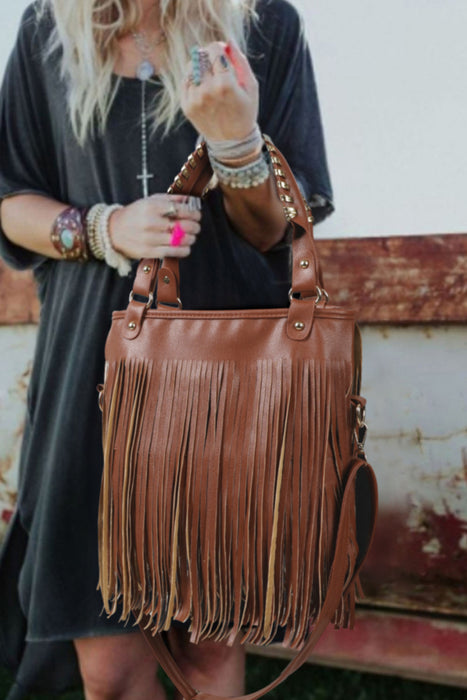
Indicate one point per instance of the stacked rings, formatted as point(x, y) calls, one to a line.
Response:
point(196, 63)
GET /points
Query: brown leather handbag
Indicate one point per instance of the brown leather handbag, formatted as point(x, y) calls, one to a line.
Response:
point(236, 495)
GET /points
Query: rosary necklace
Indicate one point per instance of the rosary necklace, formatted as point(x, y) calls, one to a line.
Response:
point(145, 71)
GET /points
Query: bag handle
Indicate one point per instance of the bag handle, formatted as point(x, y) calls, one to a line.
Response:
point(338, 584)
point(193, 179)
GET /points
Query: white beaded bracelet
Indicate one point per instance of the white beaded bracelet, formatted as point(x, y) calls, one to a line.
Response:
point(96, 244)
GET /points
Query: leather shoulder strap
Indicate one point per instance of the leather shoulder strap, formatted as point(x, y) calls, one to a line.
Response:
point(336, 588)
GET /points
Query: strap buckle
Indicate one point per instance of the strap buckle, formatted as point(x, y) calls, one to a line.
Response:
point(147, 304)
point(320, 294)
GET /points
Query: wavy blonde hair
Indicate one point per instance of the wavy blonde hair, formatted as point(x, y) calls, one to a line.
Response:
point(87, 32)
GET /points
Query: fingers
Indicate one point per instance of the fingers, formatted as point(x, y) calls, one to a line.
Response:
point(174, 225)
point(241, 66)
point(157, 226)
point(220, 95)
point(173, 207)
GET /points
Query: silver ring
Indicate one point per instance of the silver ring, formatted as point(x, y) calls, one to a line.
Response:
point(171, 213)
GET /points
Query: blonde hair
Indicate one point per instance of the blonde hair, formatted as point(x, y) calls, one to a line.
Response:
point(87, 32)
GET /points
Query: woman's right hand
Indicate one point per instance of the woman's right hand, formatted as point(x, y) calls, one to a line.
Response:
point(143, 229)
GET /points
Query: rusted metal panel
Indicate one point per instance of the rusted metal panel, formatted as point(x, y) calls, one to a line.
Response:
point(400, 279)
point(414, 380)
point(416, 647)
point(16, 350)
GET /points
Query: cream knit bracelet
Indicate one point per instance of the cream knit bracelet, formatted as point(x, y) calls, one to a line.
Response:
point(112, 257)
point(100, 245)
point(234, 152)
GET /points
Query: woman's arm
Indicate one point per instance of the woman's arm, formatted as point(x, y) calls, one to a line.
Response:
point(256, 213)
point(139, 230)
point(27, 221)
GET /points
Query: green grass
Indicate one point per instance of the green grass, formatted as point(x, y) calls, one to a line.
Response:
point(310, 683)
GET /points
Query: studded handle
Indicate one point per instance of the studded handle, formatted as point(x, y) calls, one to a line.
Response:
point(194, 178)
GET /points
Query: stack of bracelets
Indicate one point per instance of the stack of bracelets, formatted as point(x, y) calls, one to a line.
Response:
point(240, 164)
point(79, 234)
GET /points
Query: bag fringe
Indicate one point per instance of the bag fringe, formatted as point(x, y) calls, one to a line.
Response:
point(173, 546)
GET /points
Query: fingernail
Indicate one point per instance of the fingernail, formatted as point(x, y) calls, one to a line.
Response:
point(178, 234)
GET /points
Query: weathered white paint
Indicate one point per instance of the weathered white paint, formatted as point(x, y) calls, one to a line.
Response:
point(391, 79)
point(16, 351)
point(414, 380)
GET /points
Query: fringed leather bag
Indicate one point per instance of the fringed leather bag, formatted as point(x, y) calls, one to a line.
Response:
point(236, 495)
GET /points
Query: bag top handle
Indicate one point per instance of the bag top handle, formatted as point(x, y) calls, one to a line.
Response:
point(193, 180)
point(307, 284)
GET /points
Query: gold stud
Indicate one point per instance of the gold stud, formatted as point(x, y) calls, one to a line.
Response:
point(132, 325)
point(192, 161)
point(178, 182)
point(200, 151)
point(170, 190)
point(286, 198)
point(147, 269)
point(299, 326)
point(304, 264)
point(166, 279)
point(278, 172)
point(290, 213)
point(185, 173)
point(276, 160)
point(283, 185)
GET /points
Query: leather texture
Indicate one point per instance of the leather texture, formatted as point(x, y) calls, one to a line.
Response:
point(235, 495)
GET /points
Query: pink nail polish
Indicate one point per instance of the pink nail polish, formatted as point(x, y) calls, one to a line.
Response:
point(178, 234)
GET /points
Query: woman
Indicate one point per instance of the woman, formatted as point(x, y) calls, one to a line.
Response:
point(101, 104)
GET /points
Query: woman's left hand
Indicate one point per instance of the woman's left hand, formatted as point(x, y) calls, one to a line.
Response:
point(224, 106)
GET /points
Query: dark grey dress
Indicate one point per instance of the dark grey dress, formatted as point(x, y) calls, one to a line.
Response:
point(48, 565)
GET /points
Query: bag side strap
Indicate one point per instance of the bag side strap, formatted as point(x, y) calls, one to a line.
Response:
point(336, 589)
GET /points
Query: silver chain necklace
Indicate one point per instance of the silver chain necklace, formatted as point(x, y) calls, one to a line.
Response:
point(145, 71)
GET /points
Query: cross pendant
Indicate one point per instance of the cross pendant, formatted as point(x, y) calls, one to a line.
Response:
point(145, 177)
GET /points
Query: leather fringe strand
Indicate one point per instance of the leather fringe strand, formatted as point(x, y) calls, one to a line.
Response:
point(177, 439)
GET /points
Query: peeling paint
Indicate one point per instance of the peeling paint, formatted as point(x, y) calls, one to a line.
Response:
point(432, 547)
point(16, 349)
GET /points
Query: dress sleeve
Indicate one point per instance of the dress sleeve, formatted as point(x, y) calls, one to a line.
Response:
point(25, 159)
point(289, 107)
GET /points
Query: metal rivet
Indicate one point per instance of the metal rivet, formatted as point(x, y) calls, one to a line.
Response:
point(304, 264)
point(290, 213)
point(166, 280)
point(132, 325)
point(299, 326)
point(147, 269)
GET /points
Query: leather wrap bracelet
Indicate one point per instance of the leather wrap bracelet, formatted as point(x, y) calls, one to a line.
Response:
point(69, 236)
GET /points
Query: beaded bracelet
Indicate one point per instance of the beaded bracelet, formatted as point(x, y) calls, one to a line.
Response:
point(96, 243)
point(250, 175)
